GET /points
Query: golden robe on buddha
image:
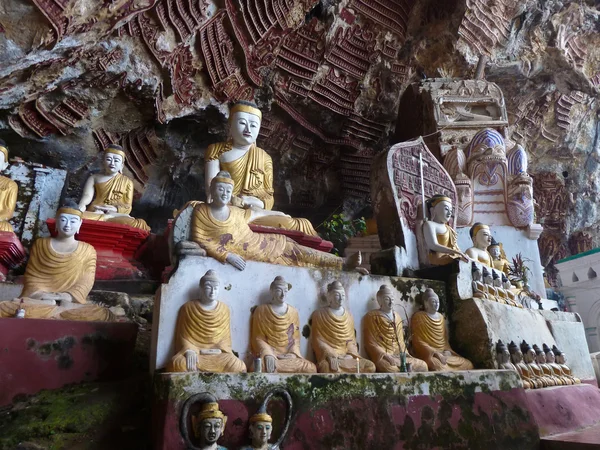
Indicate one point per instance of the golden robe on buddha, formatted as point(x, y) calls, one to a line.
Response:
point(429, 337)
point(200, 329)
point(8, 202)
point(333, 336)
point(272, 335)
point(234, 235)
point(447, 239)
point(53, 272)
point(253, 176)
point(117, 192)
point(383, 337)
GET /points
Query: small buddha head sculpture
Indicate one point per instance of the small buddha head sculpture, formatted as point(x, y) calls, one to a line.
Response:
point(502, 354)
point(113, 160)
point(261, 427)
point(385, 298)
point(209, 423)
point(68, 221)
point(279, 289)
point(487, 276)
point(550, 359)
point(221, 188)
point(335, 295)
point(506, 282)
point(528, 352)
point(496, 280)
point(516, 355)
point(561, 358)
point(481, 236)
point(431, 301)
point(540, 357)
point(494, 249)
point(3, 155)
point(209, 287)
point(440, 208)
point(244, 123)
point(475, 272)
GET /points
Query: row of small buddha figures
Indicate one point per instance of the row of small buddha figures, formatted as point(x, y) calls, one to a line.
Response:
point(538, 368)
point(203, 336)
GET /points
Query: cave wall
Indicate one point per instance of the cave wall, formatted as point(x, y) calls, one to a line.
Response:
point(157, 75)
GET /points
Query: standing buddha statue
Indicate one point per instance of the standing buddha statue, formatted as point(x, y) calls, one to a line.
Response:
point(108, 196)
point(8, 192)
point(482, 238)
point(250, 167)
point(430, 337)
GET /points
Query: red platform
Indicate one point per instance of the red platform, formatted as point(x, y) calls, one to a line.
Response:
point(12, 253)
point(41, 354)
point(116, 246)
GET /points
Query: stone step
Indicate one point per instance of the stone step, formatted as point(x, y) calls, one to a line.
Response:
point(585, 439)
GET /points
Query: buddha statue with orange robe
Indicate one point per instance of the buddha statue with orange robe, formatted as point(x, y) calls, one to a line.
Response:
point(499, 260)
point(203, 333)
point(222, 230)
point(440, 237)
point(108, 196)
point(384, 336)
point(561, 360)
point(482, 238)
point(250, 167)
point(8, 192)
point(275, 333)
point(430, 337)
point(525, 372)
point(59, 276)
point(536, 371)
point(333, 336)
point(556, 369)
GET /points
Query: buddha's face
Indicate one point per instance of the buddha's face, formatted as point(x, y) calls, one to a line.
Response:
point(68, 225)
point(497, 282)
point(562, 358)
point(483, 238)
point(529, 356)
point(278, 294)
point(488, 279)
point(442, 212)
point(503, 357)
point(516, 356)
point(244, 128)
point(210, 431)
point(209, 291)
point(432, 304)
point(540, 358)
point(386, 302)
point(113, 163)
point(221, 193)
point(336, 298)
point(550, 357)
point(260, 433)
point(494, 251)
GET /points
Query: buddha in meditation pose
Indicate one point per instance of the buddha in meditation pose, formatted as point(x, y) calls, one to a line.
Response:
point(333, 336)
point(561, 360)
point(525, 372)
point(261, 427)
point(556, 369)
point(203, 333)
point(439, 237)
point(503, 357)
point(430, 337)
point(275, 333)
point(208, 426)
point(499, 260)
point(250, 167)
point(223, 231)
point(59, 276)
point(384, 337)
point(482, 238)
point(536, 371)
point(108, 196)
point(540, 359)
point(8, 192)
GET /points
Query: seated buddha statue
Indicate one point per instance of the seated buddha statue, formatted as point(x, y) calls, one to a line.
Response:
point(384, 336)
point(481, 237)
point(536, 371)
point(525, 372)
point(333, 336)
point(59, 276)
point(8, 192)
point(556, 369)
point(540, 359)
point(499, 261)
point(261, 427)
point(203, 333)
point(251, 168)
point(440, 237)
point(430, 337)
point(208, 425)
point(561, 360)
point(503, 361)
point(108, 196)
point(222, 230)
point(275, 333)
point(479, 288)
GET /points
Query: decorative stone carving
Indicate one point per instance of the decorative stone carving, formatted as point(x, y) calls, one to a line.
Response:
point(261, 423)
point(208, 424)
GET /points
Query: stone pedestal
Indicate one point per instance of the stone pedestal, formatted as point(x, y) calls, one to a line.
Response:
point(116, 246)
point(12, 253)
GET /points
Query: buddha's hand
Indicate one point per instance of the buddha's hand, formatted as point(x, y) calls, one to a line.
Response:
point(50, 297)
point(461, 256)
point(287, 356)
point(236, 261)
point(191, 360)
point(440, 356)
point(447, 353)
point(210, 351)
point(334, 364)
point(106, 209)
point(270, 364)
point(249, 201)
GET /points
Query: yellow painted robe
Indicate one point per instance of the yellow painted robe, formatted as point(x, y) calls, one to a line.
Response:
point(381, 337)
point(54, 272)
point(8, 202)
point(234, 235)
point(253, 176)
point(334, 336)
point(429, 337)
point(447, 239)
point(117, 192)
point(200, 329)
point(272, 335)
